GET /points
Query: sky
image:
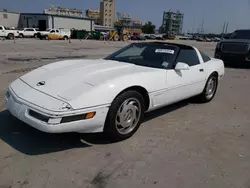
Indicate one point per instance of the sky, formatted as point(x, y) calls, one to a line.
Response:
point(214, 12)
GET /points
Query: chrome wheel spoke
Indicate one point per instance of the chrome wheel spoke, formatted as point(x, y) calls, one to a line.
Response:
point(211, 87)
point(128, 116)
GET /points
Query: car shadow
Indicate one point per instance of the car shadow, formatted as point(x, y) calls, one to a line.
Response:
point(30, 141)
point(33, 142)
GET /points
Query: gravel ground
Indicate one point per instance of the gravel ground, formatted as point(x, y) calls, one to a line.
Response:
point(185, 145)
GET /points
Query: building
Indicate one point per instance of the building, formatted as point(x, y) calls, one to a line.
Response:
point(107, 12)
point(9, 19)
point(126, 20)
point(93, 14)
point(45, 21)
point(64, 11)
point(50, 18)
point(172, 22)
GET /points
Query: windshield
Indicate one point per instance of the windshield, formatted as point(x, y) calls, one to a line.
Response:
point(144, 54)
point(240, 34)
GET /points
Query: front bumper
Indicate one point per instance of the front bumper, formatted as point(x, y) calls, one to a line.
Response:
point(52, 122)
point(232, 57)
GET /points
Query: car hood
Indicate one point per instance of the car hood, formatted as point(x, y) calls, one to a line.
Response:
point(61, 78)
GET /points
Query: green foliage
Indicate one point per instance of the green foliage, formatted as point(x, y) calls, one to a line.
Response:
point(148, 28)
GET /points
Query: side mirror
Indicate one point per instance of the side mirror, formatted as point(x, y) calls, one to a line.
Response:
point(181, 66)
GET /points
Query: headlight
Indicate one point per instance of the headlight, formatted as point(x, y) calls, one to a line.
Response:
point(218, 45)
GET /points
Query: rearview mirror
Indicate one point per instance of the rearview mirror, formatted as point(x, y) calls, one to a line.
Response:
point(181, 66)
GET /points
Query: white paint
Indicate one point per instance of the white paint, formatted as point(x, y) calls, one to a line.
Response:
point(92, 85)
point(28, 32)
point(5, 33)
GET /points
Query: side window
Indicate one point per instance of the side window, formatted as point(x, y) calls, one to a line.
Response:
point(188, 56)
point(52, 31)
point(57, 31)
point(204, 57)
point(1, 28)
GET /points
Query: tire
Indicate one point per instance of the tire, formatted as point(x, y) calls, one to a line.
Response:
point(116, 37)
point(65, 38)
point(125, 38)
point(35, 35)
point(115, 129)
point(10, 36)
point(21, 36)
point(209, 90)
point(46, 37)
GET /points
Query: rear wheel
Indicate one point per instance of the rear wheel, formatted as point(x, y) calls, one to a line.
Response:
point(210, 89)
point(124, 116)
point(35, 35)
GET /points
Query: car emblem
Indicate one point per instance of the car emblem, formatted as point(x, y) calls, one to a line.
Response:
point(41, 83)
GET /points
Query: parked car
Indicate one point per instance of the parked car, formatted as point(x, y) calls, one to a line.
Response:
point(8, 33)
point(28, 32)
point(235, 48)
point(147, 37)
point(133, 37)
point(54, 34)
point(112, 94)
point(208, 39)
point(216, 39)
point(159, 38)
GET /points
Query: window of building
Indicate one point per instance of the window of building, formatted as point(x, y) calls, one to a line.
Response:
point(188, 56)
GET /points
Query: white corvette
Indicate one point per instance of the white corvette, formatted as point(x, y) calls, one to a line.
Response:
point(112, 94)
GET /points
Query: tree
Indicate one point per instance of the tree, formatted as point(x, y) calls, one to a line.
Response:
point(148, 28)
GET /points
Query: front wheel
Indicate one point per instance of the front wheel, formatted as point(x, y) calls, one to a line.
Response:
point(210, 89)
point(124, 116)
point(11, 36)
point(65, 38)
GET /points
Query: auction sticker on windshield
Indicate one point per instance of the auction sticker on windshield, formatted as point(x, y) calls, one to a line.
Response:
point(167, 51)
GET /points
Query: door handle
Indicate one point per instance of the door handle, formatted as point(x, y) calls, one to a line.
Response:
point(201, 70)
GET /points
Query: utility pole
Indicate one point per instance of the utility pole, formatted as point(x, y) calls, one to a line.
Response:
point(222, 34)
point(202, 25)
point(226, 27)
